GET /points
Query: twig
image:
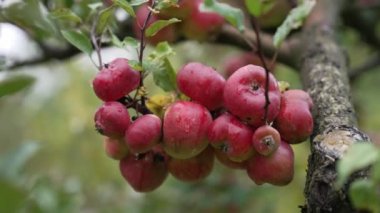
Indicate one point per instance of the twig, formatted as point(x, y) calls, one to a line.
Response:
point(96, 42)
point(261, 56)
point(370, 64)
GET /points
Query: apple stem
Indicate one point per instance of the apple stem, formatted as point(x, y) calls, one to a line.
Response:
point(261, 56)
point(142, 48)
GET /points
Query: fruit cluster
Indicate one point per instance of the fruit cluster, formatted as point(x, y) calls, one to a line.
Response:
point(195, 24)
point(221, 118)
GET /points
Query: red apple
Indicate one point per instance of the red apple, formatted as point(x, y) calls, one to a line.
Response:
point(145, 172)
point(143, 134)
point(193, 169)
point(266, 140)
point(200, 25)
point(276, 169)
point(299, 95)
point(231, 136)
point(115, 80)
point(295, 121)
point(185, 129)
point(115, 148)
point(112, 119)
point(202, 84)
point(244, 95)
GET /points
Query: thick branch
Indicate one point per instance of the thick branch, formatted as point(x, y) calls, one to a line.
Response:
point(324, 73)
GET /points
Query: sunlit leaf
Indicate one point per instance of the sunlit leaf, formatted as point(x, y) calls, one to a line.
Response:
point(159, 25)
point(293, 21)
point(79, 40)
point(233, 15)
point(363, 195)
point(65, 14)
point(125, 6)
point(95, 6)
point(130, 42)
point(258, 7)
point(137, 2)
point(104, 17)
point(166, 4)
point(15, 84)
point(359, 156)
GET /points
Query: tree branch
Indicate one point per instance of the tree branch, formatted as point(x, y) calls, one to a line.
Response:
point(324, 75)
point(287, 54)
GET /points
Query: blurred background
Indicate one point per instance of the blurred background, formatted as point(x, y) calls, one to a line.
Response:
point(52, 159)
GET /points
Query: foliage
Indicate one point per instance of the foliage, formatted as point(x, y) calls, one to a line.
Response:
point(364, 192)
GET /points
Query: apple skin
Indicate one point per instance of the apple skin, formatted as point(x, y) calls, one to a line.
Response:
point(200, 25)
point(297, 94)
point(226, 161)
point(276, 169)
point(193, 169)
point(115, 80)
point(145, 172)
point(166, 34)
point(143, 134)
point(185, 129)
point(244, 95)
point(112, 119)
point(295, 121)
point(115, 148)
point(202, 84)
point(228, 134)
point(266, 140)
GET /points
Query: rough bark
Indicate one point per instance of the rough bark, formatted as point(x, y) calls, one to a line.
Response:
point(324, 74)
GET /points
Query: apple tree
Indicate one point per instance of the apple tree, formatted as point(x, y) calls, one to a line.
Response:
point(241, 116)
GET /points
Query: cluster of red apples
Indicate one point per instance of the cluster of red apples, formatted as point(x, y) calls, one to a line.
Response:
point(221, 119)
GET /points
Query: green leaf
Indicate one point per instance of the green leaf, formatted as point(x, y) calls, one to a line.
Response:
point(158, 63)
point(79, 40)
point(125, 6)
point(14, 161)
point(363, 195)
point(375, 172)
point(359, 156)
point(258, 7)
point(135, 65)
point(65, 14)
point(165, 4)
point(95, 6)
point(115, 40)
point(31, 16)
point(13, 197)
point(233, 15)
point(15, 84)
point(159, 25)
point(130, 42)
point(104, 17)
point(137, 2)
point(293, 21)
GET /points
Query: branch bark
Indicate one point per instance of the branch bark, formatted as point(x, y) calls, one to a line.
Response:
point(324, 75)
